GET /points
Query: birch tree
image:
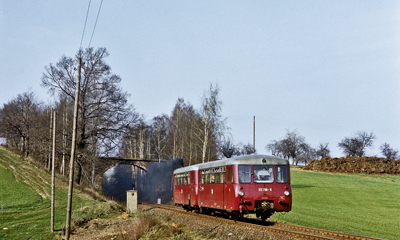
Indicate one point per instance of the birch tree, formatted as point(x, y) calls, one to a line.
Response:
point(160, 135)
point(210, 113)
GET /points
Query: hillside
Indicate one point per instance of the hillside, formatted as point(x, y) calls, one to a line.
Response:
point(367, 165)
point(25, 195)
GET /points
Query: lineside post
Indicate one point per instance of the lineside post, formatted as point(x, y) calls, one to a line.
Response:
point(71, 165)
point(52, 172)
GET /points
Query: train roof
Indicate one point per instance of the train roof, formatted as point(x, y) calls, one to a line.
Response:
point(253, 159)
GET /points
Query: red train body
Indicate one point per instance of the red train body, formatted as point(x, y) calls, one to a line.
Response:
point(257, 184)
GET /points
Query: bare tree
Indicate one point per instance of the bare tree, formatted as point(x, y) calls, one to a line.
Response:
point(171, 136)
point(228, 148)
point(389, 152)
point(18, 118)
point(274, 148)
point(176, 123)
point(210, 113)
point(160, 134)
point(305, 153)
point(190, 143)
point(103, 110)
point(246, 149)
point(186, 133)
point(323, 150)
point(182, 134)
point(130, 142)
point(294, 143)
point(356, 145)
point(279, 148)
point(292, 146)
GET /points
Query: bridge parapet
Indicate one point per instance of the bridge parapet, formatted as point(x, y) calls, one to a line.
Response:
point(105, 163)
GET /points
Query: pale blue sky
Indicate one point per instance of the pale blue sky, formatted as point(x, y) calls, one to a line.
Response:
point(325, 68)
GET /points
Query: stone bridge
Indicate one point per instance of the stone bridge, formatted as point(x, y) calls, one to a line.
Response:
point(105, 163)
point(139, 166)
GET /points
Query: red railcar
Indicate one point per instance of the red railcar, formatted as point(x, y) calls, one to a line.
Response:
point(257, 184)
point(186, 186)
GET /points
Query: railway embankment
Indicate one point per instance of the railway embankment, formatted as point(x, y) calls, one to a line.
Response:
point(363, 165)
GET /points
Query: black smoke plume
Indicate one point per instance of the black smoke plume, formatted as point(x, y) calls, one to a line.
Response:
point(152, 184)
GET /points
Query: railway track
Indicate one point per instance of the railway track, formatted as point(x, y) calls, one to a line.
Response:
point(294, 231)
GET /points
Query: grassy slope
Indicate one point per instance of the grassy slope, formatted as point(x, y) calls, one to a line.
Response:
point(359, 204)
point(25, 192)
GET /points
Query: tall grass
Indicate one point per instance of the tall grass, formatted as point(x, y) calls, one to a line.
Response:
point(360, 204)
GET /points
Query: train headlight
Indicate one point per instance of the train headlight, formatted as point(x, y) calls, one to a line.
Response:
point(287, 193)
point(241, 193)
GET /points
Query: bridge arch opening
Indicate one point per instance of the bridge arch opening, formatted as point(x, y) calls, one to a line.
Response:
point(152, 182)
point(120, 178)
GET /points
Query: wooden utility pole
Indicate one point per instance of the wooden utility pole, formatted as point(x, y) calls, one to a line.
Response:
point(254, 134)
point(51, 122)
point(71, 163)
point(65, 123)
point(52, 172)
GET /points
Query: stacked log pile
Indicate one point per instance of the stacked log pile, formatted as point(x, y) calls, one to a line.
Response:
point(366, 165)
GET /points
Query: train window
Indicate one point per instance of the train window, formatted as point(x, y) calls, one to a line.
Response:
point(228, 174)
point(217, 177)
point(207, 181)
point(231, 174)
point(212, 178)
point(199, 175)
point(281, 174)
point(263, 173)
point(203, 178)
point(192, 177)
point(183, 178)
point(244, 174)
point(222, 176)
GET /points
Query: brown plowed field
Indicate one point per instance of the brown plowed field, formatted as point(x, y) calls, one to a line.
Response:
point(366, 165)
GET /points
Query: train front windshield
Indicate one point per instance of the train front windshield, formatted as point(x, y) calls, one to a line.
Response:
point(262, 173)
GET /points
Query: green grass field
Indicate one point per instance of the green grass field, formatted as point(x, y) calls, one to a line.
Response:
point(25, 194)
point(360, 204)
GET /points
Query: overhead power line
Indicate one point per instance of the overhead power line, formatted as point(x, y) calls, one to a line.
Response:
point(84, 27)
point(94, 28)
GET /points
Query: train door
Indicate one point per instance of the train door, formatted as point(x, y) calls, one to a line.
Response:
point(200, 188)
point(228, 188)
point(191, 196)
